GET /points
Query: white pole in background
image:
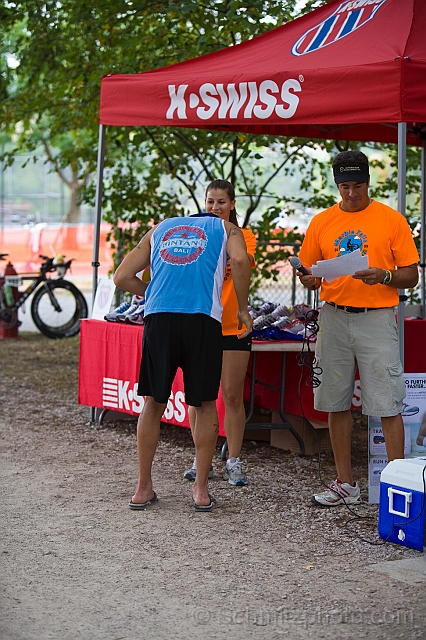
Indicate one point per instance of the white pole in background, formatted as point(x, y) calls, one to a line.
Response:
point(402, 191)
point(98, 210)
point(97, 229)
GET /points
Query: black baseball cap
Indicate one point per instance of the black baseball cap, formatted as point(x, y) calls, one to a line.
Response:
point(351, 171)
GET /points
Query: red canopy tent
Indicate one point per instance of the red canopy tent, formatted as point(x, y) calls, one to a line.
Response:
point(351, 70)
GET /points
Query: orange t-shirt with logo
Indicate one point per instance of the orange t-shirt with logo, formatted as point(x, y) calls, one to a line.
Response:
point(229, 297)
point(379, 232)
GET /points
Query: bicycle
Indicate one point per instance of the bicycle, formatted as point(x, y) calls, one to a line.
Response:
point(57, 305)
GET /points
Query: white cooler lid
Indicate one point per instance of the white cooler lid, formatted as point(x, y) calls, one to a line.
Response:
point(409, 473)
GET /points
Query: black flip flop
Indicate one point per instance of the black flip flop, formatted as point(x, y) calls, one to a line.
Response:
point(144, 505)
point(205, 507)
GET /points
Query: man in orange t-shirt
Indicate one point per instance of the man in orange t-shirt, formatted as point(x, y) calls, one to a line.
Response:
point(357, 325)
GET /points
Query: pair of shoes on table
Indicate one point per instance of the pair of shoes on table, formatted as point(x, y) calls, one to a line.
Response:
point(127, 311)
point(338, 493)
point(191, 473)
point(234, 473)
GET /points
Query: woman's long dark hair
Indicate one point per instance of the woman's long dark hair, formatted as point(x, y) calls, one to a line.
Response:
point(228, 187)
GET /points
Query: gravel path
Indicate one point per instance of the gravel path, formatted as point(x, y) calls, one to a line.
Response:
point(77, 563)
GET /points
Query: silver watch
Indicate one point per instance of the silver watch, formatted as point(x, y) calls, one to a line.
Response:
point(387, 278)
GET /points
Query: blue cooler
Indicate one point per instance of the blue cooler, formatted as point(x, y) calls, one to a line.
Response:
point(402, 505)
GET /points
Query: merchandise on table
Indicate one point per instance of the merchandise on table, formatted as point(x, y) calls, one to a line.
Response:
point(128, 312)
point(272, 321)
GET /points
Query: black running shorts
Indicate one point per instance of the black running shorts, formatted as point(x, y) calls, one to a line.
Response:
point(233, 343)
point(191, 341)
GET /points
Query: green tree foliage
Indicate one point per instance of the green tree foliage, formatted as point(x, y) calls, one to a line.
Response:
point(52, 100)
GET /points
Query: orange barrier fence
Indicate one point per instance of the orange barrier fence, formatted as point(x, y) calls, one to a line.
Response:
point(24, 245)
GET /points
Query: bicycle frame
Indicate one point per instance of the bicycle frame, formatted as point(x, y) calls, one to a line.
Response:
point(46, 267)
point(29, 290)
point(49, 294)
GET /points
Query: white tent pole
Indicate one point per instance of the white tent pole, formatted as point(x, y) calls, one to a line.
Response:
point(97, 226)
point(98, 209)
point(402, 190)
point(423, 229)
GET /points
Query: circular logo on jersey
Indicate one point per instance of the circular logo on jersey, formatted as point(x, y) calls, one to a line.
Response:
point(350, 243)
point(183, 245)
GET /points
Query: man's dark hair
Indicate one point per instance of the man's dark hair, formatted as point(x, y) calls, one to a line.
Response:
point(345, 157)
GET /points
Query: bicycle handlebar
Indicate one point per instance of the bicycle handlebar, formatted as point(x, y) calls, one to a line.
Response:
point(49, 265)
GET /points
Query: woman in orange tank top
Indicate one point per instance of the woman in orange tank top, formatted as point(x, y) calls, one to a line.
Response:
point(220, 201)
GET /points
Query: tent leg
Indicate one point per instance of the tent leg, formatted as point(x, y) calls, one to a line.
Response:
point(423, 229)
point(98, 220)
point(98, 210)
point(402, 191)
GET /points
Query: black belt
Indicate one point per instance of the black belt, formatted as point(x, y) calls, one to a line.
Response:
point(353, 309)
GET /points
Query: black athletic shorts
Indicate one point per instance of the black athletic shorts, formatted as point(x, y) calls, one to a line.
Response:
point(232, 343)
point(191, 341)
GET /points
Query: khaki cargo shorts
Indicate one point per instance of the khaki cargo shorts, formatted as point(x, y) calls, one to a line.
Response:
point(369, 340)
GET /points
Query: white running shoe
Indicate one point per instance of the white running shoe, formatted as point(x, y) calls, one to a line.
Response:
point(136, 301)
point(112, 315)
point(137, 316)
point(338, 493)
point(234, 473)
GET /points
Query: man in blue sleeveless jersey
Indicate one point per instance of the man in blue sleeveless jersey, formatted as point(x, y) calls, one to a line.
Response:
point(183, 310)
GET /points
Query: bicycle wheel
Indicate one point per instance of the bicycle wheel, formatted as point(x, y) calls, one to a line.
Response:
point(63, 321)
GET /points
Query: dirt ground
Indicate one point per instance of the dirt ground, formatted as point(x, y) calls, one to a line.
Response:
point(77, 563)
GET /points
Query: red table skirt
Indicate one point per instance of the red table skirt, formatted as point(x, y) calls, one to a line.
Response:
point(110, 356)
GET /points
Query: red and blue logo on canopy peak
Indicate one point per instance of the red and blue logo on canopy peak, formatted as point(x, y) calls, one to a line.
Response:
point(347, 18)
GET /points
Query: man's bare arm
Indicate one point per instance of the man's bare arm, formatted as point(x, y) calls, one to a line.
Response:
point(402, 277)
point(134, 262)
